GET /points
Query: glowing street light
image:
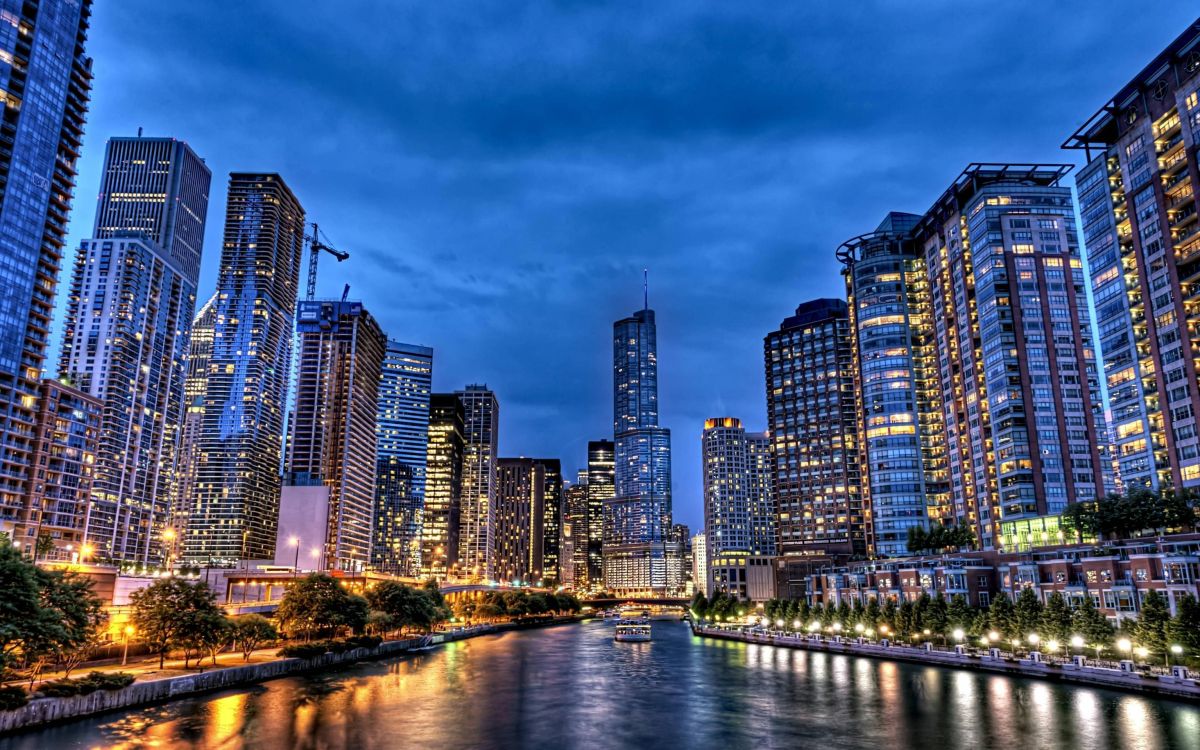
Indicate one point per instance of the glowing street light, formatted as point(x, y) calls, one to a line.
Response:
point(1052, 646)
point(858, 627)
point(1033, 639)
point(796, 624)
point(958, 634)
point(1076, 641)
point(1124, 645)
point(125, 654)
point(993, 635)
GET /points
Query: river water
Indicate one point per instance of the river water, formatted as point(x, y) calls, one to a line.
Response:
point(573, 687)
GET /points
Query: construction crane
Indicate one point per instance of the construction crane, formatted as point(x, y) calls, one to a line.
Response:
point(316, 246)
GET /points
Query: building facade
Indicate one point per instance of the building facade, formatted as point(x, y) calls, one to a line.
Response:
point(66, 437)
point(46, 78)
point(443, 487)
point(601, 489)
point(900, 429)
point(517, 518)
point(700, 562)
point(234, 507)
point(552, 520)
point(481, 412)
point(194, 387)
point(127, 334)
point(1138, 199)
point(810, 408)
point(333, 426)
point(402, 441)
point(637, 520)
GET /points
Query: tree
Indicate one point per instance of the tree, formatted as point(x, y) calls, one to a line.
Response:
point(43, 546)
point(1028, 613)
point(19, 606)
point(209, 634)
point(918, 539)
point(1091, 625)
point(317, 603)
point(1056, 618)
point(1002, 618)
point(959, 614)
point(251, 632)
point(1154, 624)
point(1080, 519)
point(1185, 627)
point(408, 607)
point(888, 613)
point(699, 605)
point(937, 616)
point(172, 612)
point(1178, 508)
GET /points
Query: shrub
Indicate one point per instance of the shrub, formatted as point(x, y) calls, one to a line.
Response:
point(338, 647)
point(12, 697)
point(304, 650)
point(364, 641)
point(60, 688)
point(106, 681)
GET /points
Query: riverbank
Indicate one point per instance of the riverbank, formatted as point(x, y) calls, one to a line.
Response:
point(1165, 686)
point(41, 712)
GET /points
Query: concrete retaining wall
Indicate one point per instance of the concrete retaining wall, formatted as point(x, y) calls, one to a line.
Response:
point(1165, 686)
point(40, 711)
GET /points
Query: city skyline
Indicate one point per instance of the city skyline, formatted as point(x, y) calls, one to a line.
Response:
point(761, 213)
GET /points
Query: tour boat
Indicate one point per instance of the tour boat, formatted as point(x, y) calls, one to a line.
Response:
point(632, 632)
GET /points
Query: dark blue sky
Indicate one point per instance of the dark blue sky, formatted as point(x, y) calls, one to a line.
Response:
point(502, 172)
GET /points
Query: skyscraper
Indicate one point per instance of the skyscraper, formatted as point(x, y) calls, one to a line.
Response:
point(601, 488)
point(333, 426)
point(443, 486)
point(127, 335)
point(637, 520)
point(402, 439)
point(552, 519)
point(194, 388)
point(981, 297)
point(1138, 200)
point(811, 414)
point(481, 411)
point(700, 562)
point(899, 421)
point(573, 536)
point(235, 506)
point(46, 79)
point(517, 519)
point(739, 515)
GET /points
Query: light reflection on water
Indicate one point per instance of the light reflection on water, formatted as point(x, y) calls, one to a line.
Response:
point(573, 687)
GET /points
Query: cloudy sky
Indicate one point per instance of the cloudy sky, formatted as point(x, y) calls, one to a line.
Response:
point(502, 172)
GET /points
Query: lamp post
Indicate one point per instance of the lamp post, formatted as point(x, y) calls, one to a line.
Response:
point(296, 561)
point(125, 653)
point(169, 537)
point(1176, 650)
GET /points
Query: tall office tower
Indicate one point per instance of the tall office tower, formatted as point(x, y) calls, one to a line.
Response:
point(64, 451)
point(575, 536)
point(1020, 393)
point(443, 486)
point(810, 412)
point(552, 519)
point(127, 334)
point(194, 388)
point(234, 509)
point(1138, 200)
point(601, 488)
point(638, 519)
point(679, 559)
point(402, 438)
point(46, 80)
point(738, 510)
point(901, 434)
point(517, 519)
point(481, 412)
point(332, 436)
point(700, 562)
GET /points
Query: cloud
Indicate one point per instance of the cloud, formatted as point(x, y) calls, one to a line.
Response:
point(501, 173)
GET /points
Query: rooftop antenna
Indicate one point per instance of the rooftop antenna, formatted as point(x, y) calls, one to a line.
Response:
point(645, 289)
point(139, 131)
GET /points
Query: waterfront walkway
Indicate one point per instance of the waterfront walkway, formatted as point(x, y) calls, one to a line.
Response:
point(1075, 670)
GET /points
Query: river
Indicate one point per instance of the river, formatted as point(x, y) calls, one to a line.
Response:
point(573, 687)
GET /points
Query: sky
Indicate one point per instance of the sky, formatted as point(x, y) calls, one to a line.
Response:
point(502, 172)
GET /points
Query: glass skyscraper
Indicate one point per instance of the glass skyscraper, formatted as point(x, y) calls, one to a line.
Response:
point(481, 412)
point(45, 82)
point(402, 440)
point(443, 486)
point(637, 520)
point(127, 332)
point(234, 509)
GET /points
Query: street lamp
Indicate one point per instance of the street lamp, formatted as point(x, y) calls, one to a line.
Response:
point(1077, 641)
point(296, 562)
point(796, 624)
point(1176, 651)
point(957, 634)
point(125, 654)
point(1033, 639)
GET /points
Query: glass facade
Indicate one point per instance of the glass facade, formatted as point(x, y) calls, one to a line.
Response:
point(235, 506)
point(1139, 207)
point(443, 486)
point(739, 512)
point(481, 413)
point(45, 82)
point(402, 438)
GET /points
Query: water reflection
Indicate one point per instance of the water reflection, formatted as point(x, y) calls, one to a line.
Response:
point(573, 687)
